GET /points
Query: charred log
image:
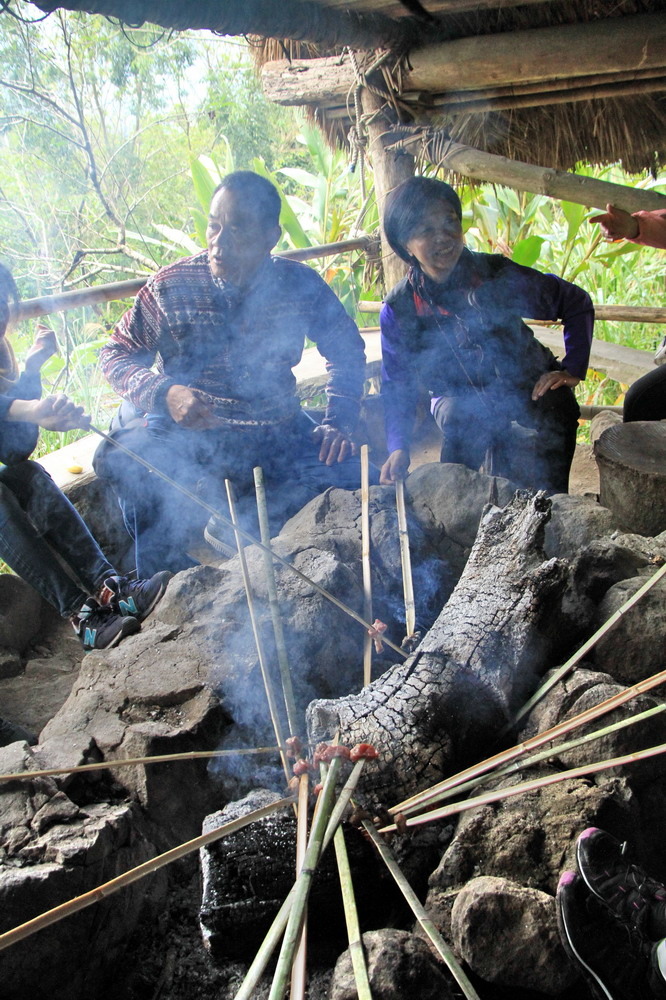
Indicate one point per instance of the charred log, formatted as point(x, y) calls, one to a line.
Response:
point(474, 667)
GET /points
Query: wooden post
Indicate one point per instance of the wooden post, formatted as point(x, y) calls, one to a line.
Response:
point(390, 168)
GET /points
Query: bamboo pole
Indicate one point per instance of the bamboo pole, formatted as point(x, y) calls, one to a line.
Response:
point(299, 971)
point(617, 314)
point(567, 667)
point(536, 784)
point(274, 604)
point(135, 874)
point(276, 930)
point(263, 665)
point(365, 560)
point(109, 765)
point(46, 304)
point(244, 534)
point(405, 558)
point(442, 948)
point(356, 950)
point(304, 882)
point(514, 752)
point(537, 758)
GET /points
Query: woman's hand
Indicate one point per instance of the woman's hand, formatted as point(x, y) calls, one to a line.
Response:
point(553, 380)
point(53, 413)
point(395, 467)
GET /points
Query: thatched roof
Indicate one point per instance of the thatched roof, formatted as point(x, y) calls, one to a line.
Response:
point(609, 105)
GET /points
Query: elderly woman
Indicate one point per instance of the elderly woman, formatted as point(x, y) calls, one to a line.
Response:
point(453, 326)
point(42, 537)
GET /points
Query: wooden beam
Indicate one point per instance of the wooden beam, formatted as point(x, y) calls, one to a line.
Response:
point(390, 167)
point(616, 314)
point(607, 45)
point(46, 304)
point(558, 184)
point(601, 48)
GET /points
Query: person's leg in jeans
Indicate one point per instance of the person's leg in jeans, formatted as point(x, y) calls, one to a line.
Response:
point(35, 519)
point(556, 420)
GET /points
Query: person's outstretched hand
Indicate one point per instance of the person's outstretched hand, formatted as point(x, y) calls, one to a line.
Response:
point(53, 413)
point(616, 224)
point(395, 467)
point(44, 347)
point(334, 445)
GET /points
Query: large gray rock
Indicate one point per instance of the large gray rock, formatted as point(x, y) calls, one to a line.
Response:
point(399, 965)
point(635, 648)
point(508, 935)
point(575, 522)
point(52, 851)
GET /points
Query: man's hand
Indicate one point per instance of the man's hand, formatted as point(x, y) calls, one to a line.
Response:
point(553, 380)
point(395, 467)
point(334, 445)
point(53, 413)
point(188, 411)
point(617, 224)
point(44, 347)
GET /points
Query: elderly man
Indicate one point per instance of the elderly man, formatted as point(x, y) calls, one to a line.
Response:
point(205, 356)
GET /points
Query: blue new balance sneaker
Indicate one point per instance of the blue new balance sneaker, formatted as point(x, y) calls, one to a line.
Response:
point(100, 627)
point(136, 598)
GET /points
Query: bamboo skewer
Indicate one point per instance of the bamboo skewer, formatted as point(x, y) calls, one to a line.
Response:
point(275, 931)
point(303, 884)
point(512, 753)
point(498, 794)
point(244, 534)
point(134, 875)
point(365, 561)
point(263, 666)
point(299, 973)
point(354, 938)
point(405, 558)
point(271, 586)
point(567, 667)
point(537, 758)
point(417, 909)
point(107, 765)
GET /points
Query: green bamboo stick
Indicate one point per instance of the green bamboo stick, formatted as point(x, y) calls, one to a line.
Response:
point(127, 878)
point(276, 930)
point(505, 756)
point(567, 667)
point(498, 794)
point(273, 603)
point(303, 884)
point(356, 949)
point(537, 758)
point(419, 912)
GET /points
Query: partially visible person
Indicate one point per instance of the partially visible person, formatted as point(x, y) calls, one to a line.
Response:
point(646, 397)
point(453, 327)
point(612, 920)
point(646, 228)
point(41, 533)
point(204, 359)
